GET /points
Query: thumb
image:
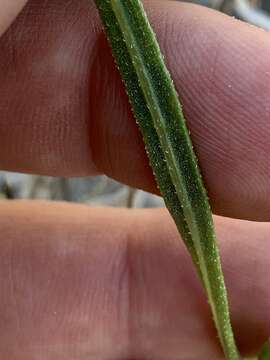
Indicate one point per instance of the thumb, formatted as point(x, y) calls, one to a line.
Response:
point(8, 12)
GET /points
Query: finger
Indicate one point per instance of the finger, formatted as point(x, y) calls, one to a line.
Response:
point(79, 282)
point(9, 10)
point(63, 110)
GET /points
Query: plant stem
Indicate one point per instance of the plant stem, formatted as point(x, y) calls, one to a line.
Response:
point(157, 109)
point(144, 119)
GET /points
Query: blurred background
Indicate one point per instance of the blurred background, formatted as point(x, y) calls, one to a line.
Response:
point(101, 190)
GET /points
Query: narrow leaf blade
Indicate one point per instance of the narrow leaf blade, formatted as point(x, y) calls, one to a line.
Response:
point(265, 352)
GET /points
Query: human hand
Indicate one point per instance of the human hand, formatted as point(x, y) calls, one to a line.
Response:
point(85, 283)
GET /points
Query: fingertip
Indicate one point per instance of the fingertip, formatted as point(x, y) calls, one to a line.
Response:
point(66, 112)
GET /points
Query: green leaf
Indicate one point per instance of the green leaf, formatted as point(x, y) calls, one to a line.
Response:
point(144, 119)
point(159, 114)
point(265, 352)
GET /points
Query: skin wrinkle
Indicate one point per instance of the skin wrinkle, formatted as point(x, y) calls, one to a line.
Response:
point(45, 98)
point(73, 126)
point(50, 326)
point(229, 152)
point(99, 81)
point(100, 279)
point(110, 144)
point(64, 254)
point(95, 307)
point(151, 319)
point(14, 295)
